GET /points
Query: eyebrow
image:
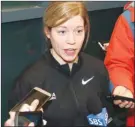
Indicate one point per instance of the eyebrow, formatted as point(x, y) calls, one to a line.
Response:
point(75, 28)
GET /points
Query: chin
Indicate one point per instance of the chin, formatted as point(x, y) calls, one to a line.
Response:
point(69, 59)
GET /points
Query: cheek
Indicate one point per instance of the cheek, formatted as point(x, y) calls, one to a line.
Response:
point(57, 42)
point(79, 45)
point(80, 41)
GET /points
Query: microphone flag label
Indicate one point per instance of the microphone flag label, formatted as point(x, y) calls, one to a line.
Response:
point(100, 119)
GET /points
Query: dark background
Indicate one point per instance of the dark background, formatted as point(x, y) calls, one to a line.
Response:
point(23, 42)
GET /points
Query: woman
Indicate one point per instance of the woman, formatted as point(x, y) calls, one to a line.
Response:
point(71, 75)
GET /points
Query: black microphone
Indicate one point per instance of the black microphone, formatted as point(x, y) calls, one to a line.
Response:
point(94, 105)
point(98, 116)
point(116, 115)
point(113, 97)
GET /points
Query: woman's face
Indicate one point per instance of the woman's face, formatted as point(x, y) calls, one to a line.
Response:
point(67, 39)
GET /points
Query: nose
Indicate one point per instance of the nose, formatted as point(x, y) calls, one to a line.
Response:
point(71, 39)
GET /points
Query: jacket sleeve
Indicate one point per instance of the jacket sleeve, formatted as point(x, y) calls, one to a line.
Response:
point(119, 59)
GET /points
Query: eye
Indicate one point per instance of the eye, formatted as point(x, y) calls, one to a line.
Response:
point(62, 32)
point(79, 31)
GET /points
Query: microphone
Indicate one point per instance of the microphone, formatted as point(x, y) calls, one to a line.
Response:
point(104, 113)
point(98, 115)
point(120, 98)
point(116, 115)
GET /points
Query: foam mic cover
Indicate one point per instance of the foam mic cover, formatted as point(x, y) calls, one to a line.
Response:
point(94, 105)
point(98, 116)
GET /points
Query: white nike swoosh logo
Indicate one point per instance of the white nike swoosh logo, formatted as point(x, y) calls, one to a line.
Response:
point(85, 82)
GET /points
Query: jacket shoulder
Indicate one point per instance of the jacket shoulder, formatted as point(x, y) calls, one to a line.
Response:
point(35, 72)
point(92, 63)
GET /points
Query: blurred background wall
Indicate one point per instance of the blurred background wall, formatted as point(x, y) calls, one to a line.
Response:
point(22, 39)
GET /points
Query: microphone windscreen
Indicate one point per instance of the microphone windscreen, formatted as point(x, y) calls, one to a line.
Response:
point(94, 104)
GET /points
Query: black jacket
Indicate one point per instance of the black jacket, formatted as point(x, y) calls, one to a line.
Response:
point(71, 89)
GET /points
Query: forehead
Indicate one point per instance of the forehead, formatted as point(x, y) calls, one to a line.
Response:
point(74, 22)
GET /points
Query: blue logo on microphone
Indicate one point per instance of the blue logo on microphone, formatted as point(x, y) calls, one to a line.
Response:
point(99, 119)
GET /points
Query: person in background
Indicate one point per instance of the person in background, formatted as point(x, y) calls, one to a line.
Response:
point(120, 58)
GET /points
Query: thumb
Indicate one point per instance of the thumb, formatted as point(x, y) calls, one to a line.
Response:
point(31, 124)
point(9, 123)
point(119, 90)
point(34, 105)
point(41, 110)
point(12, 115)
point(44, 122)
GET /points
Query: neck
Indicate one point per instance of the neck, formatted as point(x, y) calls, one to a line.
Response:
point(57, 57)
point(61, 61)
point(70, 66)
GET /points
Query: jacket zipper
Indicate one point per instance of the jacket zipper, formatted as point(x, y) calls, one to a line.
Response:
point(74, 93)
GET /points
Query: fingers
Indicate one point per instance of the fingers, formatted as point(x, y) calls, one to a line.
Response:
point(129, 105)
point(31, 124)
point(106, 46)
point(117, 102)
point(44, 122)
point(123, 91)
point(133, 106)
point(12, 115)
point(34, 105)
point(41, 110)
point(123, 104)
point(9, 123)
point(25, 108)
point(118, 92)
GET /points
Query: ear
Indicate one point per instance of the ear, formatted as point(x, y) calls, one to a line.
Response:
point(47, 32)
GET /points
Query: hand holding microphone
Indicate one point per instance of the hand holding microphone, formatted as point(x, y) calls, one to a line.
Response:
point(24, 108)
point(123, 91)
point(28, 110)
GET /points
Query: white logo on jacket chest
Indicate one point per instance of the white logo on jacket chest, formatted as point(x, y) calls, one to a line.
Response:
point(53, 97)
point(84, 82)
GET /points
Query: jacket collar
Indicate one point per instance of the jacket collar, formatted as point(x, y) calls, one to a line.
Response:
point(62, 68)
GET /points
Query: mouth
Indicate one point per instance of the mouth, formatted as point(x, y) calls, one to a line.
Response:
point(70, 52)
